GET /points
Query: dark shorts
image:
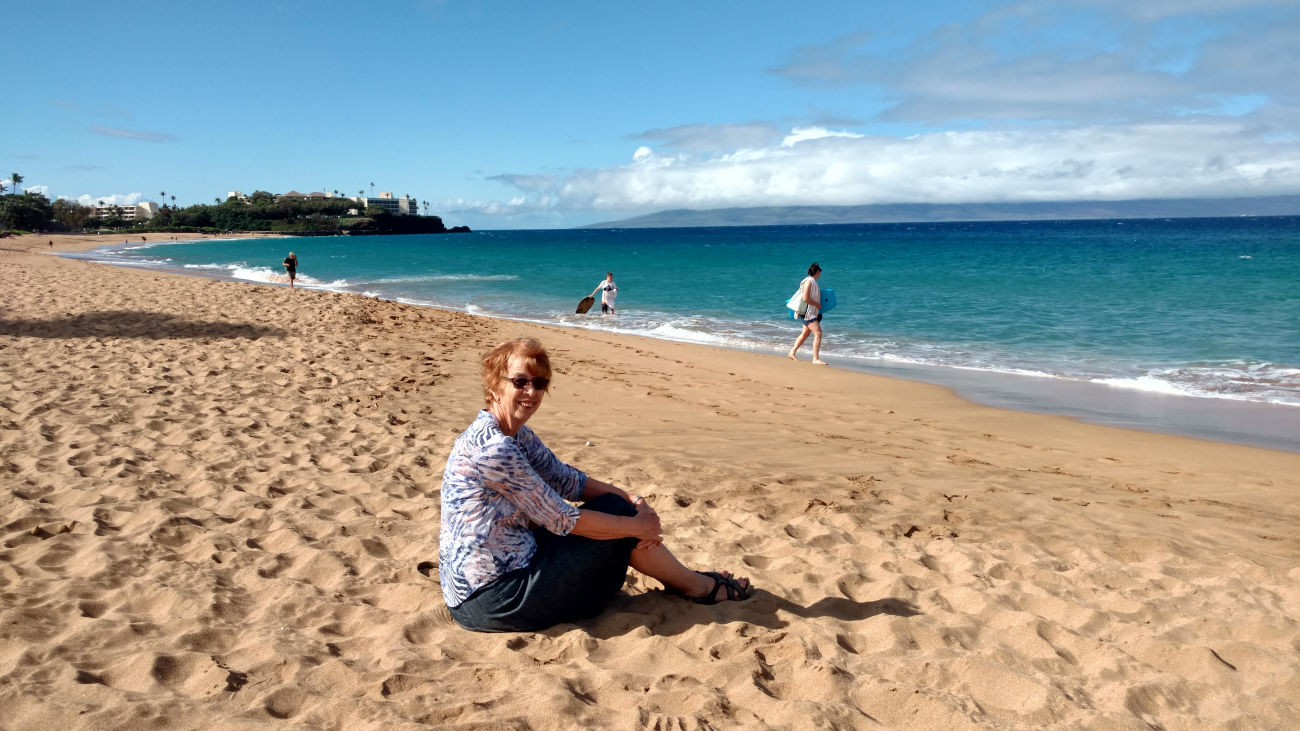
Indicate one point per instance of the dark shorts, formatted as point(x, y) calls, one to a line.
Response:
point(818, 318)
point(606, 309)
point(569, 578)
point(292, 272)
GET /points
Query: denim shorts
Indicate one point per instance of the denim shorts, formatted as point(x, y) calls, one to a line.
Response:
point(569, 578)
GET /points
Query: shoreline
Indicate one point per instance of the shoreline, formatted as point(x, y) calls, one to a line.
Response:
point(219, 498)
point(1231, 421)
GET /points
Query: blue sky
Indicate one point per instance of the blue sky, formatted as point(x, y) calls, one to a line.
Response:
point(544, 115)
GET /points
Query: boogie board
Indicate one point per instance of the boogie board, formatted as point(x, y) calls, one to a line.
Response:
point(585, 305)
point(828, 303)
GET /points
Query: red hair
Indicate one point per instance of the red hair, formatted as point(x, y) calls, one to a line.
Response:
point(497, 360)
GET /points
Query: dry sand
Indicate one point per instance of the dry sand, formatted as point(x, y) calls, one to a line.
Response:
point(215, 498)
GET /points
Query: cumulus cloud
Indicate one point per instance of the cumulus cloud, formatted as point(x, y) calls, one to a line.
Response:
point(1054, 100)
point(112, 199)
point(23, 187)
point(1098, 162)
point(131, 134)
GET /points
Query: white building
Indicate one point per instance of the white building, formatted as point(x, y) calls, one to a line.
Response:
point(404, 206)
point(139, 212)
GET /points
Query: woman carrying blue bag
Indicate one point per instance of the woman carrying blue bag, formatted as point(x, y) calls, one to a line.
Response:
point(809, 298)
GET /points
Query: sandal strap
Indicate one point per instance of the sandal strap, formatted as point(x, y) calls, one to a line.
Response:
point(734, 589)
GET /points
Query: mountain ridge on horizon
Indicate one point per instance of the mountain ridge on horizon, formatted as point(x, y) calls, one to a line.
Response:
point(1278, 205)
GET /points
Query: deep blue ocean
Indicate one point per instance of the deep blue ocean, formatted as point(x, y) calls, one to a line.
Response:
point(1205, 309)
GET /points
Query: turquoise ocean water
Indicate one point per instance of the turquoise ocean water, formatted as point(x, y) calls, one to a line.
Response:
point(1160, 324)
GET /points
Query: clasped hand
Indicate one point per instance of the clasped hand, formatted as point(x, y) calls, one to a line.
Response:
point(649, 530)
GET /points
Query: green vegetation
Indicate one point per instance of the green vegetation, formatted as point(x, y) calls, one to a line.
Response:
point(262, 211)
point(25, 212)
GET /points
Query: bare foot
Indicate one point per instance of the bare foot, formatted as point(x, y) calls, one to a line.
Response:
point(819, 361)
point(791, 356)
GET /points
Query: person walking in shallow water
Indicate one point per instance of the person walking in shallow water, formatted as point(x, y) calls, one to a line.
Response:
point(608, 292)
point(811, 294)
point(291, 267)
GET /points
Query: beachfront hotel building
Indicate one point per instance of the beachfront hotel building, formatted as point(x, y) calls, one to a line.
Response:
point(404, 206)
point(139, 212)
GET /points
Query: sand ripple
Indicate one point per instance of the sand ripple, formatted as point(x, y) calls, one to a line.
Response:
point(220, 510)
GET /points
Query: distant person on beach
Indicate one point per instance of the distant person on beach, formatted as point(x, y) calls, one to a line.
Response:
point(515, 554)
point(812, 316)
point(291, 266)
point(608, 293)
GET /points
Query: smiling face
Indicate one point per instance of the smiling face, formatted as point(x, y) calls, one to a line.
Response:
point(514, 406)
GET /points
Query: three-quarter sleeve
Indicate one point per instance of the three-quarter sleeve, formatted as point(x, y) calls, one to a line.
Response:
point(507, 470)
point(565, 479)
point(495, 490)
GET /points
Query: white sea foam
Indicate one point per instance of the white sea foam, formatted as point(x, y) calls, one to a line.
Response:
point(671, 331)
point(257, 274)
point(1150, 384)
point(416, 279)
point(1259, 382)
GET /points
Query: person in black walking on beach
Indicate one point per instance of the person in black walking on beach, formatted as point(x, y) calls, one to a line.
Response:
point(291, 266)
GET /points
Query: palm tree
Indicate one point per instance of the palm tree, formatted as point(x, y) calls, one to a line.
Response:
point(361, 193)
point(162, 196)
point(372, 189)
point(173, 203)
point(15, 178)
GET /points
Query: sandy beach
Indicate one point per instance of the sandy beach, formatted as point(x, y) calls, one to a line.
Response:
point(220, 510)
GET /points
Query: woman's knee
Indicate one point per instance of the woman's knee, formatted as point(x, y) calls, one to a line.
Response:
point(610, 504)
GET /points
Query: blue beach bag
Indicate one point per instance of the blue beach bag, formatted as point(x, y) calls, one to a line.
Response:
point(796, 306)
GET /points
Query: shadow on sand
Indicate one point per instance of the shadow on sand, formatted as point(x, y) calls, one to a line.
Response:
point(133, 324)
point(670, 615)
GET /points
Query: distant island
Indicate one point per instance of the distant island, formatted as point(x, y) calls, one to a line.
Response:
point(1280, 205)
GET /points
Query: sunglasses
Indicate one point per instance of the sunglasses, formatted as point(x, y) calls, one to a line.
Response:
point(538, 382)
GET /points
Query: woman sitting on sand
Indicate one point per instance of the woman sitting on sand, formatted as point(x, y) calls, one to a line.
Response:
point(515, 554)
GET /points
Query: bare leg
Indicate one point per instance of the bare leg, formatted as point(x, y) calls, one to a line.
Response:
point(658, 562)
point(803, 335)
point(817, 343)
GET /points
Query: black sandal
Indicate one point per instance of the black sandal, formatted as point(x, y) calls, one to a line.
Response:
point(735, 590)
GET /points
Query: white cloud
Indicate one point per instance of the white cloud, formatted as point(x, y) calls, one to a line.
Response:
point(112, 199)
point(1098, 162)
point(1058, 100)
point(806, 134)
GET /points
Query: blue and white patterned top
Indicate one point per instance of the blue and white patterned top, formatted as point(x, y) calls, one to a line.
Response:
point(494, 489)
